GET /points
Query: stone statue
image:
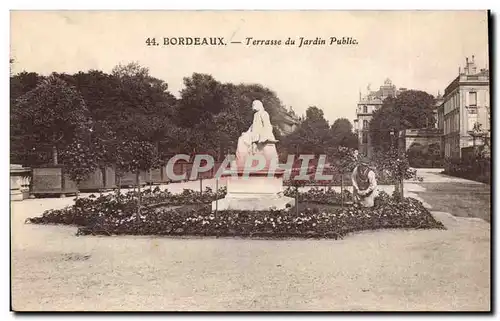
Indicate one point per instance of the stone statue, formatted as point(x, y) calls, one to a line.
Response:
point(259, 138)
point(255, 187)
point(364, 183)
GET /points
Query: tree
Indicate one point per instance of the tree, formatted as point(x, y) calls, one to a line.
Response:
point(410, 109)
point(343, 160)
point(200, 99)
point(395, 165)
point(52, 113)
point(312, 134)
point(21, 83)
point(137, 156)
point(79, 160)
point(101, 92)
point(341, 134)
point(142, 106)
point(20, 150)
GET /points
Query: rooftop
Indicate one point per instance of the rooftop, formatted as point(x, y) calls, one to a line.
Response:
point(469, 74)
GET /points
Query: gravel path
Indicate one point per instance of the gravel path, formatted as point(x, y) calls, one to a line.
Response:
point(394, 270)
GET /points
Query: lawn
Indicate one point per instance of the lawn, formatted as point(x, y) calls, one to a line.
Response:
point(463, 200)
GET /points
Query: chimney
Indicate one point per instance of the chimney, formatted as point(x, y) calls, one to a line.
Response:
point(473, 69)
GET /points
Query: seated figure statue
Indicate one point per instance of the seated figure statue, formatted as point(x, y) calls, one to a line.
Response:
point(259, 138)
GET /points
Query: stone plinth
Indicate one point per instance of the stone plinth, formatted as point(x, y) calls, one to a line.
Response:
point(17, 175)
point(15, 189)
point(255, 191)
point(267, 150)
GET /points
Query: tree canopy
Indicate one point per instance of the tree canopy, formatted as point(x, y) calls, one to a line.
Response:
point(410, 109)
point(53, 113)
point(341, 134)
point(97, 111)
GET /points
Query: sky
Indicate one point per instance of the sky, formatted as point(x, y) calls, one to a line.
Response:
point(415, 49)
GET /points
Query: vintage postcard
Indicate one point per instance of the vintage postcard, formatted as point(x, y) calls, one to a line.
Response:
point(250, 161)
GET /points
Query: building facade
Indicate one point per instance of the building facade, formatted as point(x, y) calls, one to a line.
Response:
point(366, 106)
point(465, 109)
point(289, 121)
point(423, 137)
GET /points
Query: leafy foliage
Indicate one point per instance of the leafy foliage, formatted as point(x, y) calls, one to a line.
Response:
point(342, 135)
point(52, 114)
point(319, 195)
point(311, 136)
point(80, 160)
point(425, 156)
point(477, 168)
point(410, 109)
point(395, 165)
point(134, 156)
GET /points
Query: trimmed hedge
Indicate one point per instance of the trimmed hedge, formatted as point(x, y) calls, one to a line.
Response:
point(476, 169)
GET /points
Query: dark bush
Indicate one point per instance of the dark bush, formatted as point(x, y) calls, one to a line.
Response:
point(474, 168)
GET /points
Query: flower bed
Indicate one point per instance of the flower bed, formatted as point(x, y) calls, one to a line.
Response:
point(383, 178)
point(319, 196)
point(158, 197)
point(109, 215)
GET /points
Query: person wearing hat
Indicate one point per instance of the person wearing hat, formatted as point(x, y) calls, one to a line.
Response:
point(364, 183)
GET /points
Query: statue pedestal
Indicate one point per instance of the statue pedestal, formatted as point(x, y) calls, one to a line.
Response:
point(256, 191)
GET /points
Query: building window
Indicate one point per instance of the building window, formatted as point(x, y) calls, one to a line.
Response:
point(365, 138)
point(365, 109)
point(365, 124)
point(473, 98)
point(472, 111)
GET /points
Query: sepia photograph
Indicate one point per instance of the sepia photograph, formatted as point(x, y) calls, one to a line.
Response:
point(251, 160)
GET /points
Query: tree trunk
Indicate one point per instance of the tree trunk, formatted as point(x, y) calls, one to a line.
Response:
point(139, 196)
point(297, 200)
point(396, 187)
point(77, 189)
point(54, 154)
point(103, 173)
point(342, 190)
point(216, 197)
point(401, 190)
point(119, 185)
